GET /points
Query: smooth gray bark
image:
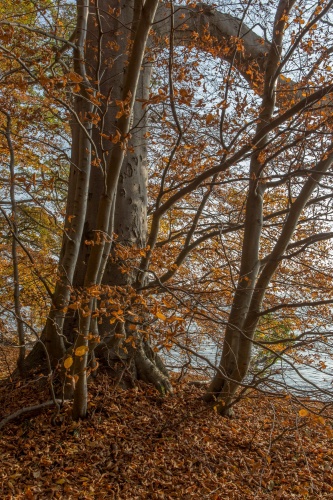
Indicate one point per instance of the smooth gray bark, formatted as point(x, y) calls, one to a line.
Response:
point(104, 219)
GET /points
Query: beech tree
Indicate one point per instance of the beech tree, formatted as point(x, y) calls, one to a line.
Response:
point(238, 187)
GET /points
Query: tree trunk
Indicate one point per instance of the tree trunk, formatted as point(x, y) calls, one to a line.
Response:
point(236, 352)
point(108, 192)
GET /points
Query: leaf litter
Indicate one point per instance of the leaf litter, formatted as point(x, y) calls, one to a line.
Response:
point(137, 445)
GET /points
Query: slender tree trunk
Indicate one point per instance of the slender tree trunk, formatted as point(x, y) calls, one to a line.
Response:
point(15, 235)
point(243, 319)
point(78, 195)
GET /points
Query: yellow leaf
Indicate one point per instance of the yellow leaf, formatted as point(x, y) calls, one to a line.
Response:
point(61, 481)
point(303, 412)
point(80, 351)
point(68, 362)
point(94, 291)
point(87, 312)
point(116, 313)
point(160, 315)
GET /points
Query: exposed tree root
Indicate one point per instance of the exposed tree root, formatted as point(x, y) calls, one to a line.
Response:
point(29, 409)
point(141, 363)
point(149, 371)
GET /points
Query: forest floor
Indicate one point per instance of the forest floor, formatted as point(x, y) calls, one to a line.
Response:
point(137, 445)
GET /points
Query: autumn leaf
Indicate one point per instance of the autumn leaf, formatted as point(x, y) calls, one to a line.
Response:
point(75, 306)
point(81, 350)
point(74, 77)
point(160, 315)
point(61, 481)
point(68, 362)
point(116, 137)
point(209, 118)
point(175, 318)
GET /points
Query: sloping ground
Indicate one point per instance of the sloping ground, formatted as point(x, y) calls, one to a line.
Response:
point(136, 445)
point(8, 358)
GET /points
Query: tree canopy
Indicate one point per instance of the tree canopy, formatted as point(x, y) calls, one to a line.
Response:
point(166, 183)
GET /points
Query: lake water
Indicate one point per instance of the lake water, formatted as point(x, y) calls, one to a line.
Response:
point(311, 379)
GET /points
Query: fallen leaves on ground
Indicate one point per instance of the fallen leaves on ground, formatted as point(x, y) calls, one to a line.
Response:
point(136, 445)
point(8, 360)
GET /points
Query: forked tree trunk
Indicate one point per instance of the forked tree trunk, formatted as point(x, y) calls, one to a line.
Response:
point(255, 275)
point(239, 333)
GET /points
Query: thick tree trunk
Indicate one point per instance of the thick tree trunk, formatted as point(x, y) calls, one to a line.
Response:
point(106, 56)
point(130, 227)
